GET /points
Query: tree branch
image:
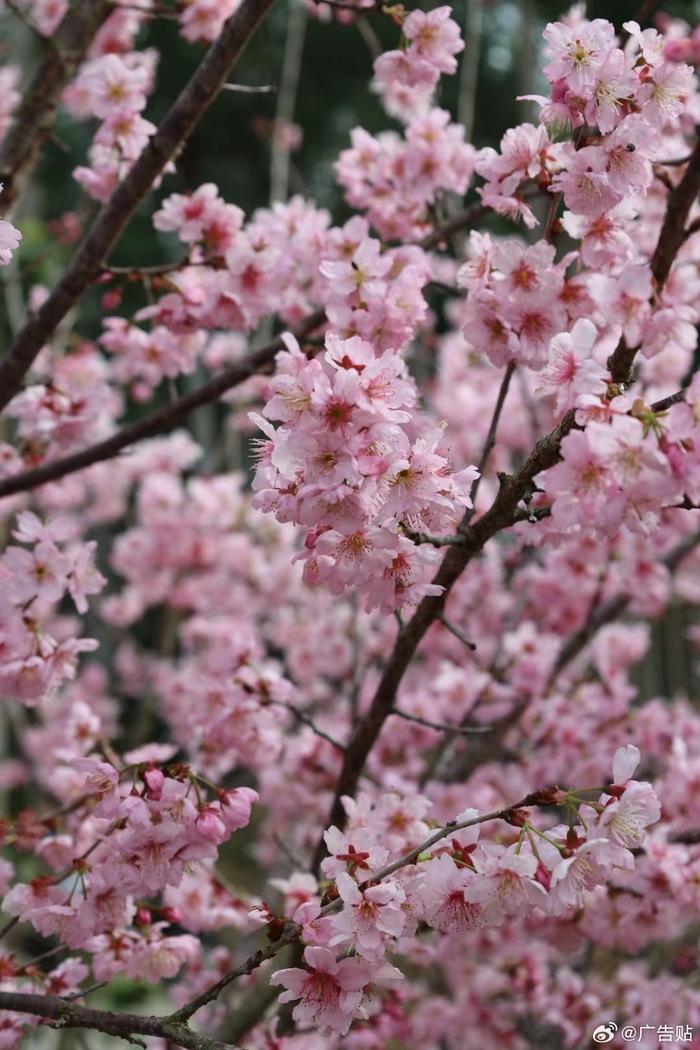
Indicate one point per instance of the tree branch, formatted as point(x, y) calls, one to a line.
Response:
point(65, 51)
point(159, 422)
point(180, 121)
point(441, 727)
point(72, 1015)
point(491, 435)
point(499, 516)
point(292, 930)
point(672, 235)
point(463, 220)
point(611, 610)
point(502, 513)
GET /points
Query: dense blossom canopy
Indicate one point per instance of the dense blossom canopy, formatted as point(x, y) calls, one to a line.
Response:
point(400, 653)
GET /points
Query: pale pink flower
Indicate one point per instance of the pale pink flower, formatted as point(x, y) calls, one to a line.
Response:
point(454, 900)
point(357, 852)
point(625, 819)
point(625, 761)
point(41, 573)
point(329, 992)
point(578, 52)
point(571, 370)
point(665, 94)
point(589, 866)
point(10, 237)
point(369, 916)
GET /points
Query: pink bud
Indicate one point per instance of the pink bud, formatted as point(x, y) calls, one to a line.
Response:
point(111, 300)
point(543, 875)
point(142, 917)
point(172, 915)
point(236, 806)
point(154, 784)
point(210, 825)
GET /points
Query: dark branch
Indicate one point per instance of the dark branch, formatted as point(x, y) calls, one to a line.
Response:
point(159, 422)
point(179, 123)
point(72, 1015)
point(491, 435)
point(672, 235)
point(65, 51)
point(499, 516)
point(463, 220)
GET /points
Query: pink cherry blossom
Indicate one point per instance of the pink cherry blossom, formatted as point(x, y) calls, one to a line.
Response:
point(329, 992)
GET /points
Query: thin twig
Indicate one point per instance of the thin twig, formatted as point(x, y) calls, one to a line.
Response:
point(448, 625)
point(251, 89)
point(442, 727)
point(434, 541)
point(26, 21)
point(82, 992)
point(490, 436)
point(307, 720)
point(4, 930)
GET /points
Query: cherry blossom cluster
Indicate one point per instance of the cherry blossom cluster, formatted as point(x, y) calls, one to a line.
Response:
point(147, 826)
point(407, 78)
point(113, 86)
point(461, 884)
point(230, 280)
point(39, 649)
point(595, 82)
point(397, 180)
point(75, 404)
point(344, 464)
point(625, 466)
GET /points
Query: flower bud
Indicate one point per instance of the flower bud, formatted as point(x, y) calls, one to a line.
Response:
point(153, 779)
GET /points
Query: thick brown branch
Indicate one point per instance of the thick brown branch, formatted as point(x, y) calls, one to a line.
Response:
point(72, 1015)
point(64, 53)
point(671, 238)
point(175, 130)
point(157, 423)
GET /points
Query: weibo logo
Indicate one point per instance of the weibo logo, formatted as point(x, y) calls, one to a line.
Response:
point(605, 1033)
